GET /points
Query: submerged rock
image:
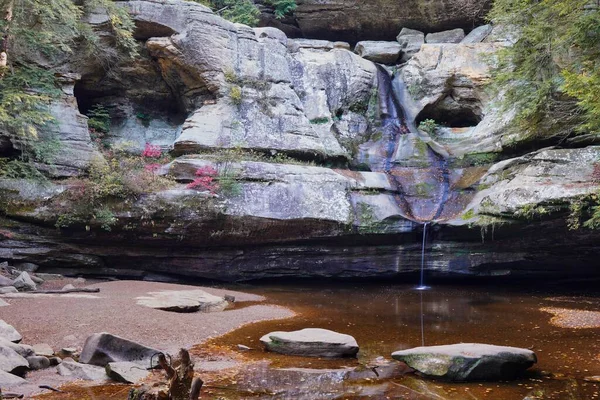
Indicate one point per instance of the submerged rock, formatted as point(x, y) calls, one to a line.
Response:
point(103, 348)
point(9, 332)
point(126, 372)
point(311, 342)
point(183, 301)
point(86, 372)
point(468, 361)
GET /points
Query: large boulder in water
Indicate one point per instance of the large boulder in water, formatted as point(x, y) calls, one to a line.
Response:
point(103, 348)
point(311, 342)
point(468, 361)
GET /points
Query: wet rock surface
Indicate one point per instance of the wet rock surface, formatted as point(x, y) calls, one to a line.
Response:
point(311, 342)
point(468, 361)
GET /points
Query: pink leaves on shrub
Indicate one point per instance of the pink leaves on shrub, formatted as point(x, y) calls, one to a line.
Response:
point(152, 167)
point(205, 181)
point(151, 151)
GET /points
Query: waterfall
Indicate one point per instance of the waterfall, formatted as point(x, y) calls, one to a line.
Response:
point(422, 280)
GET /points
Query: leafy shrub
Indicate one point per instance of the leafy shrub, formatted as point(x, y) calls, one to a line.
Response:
point(152, 151)
point(235, 94)
point(429, 126)
point(238, 11)
point(282, 7)
point(17, 169)
point(205, 180)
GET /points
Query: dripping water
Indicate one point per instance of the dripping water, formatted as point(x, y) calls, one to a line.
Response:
point(422, 280)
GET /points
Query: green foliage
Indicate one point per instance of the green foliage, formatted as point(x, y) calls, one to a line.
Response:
point(282, 7)
point(551, 76)
point(235, 94)
point(319, 121)
point(229, 186)
point(17, 169)
point(584, 211)
point(470, 214)
point(99, 118)
point(238, 11)
point(368, 223)
point(50, 29)
point(429, 126)
point(45, 150)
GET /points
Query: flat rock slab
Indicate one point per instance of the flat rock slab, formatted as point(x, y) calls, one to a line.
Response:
point(9, 332)
point(11, 361)
point(183, 301)
point(126, 372)
point(311, 342)
point(43, 349)
point(81, 371)
point(9, 380)
point(468, 361)
point(103, 348)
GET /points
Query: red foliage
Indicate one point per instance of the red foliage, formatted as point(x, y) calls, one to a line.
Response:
point(5, 234)
point(205, 181)
point(152, 167)
point(151, 151)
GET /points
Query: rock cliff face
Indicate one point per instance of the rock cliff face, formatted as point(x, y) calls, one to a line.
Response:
point(354, 20)
point(324, 175)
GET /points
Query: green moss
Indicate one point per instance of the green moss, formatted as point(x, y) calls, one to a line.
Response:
point(470, 214)
point(319, 121)
point(235, 94)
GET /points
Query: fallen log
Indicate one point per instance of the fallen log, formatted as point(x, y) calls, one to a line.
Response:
point(61, 291)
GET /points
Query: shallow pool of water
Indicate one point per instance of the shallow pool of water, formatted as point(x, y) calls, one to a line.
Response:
point(385, 318)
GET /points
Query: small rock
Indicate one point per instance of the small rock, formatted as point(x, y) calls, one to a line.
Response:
point(4, 281)
point(28, 267)
point(38, 362)
point(311, 342)
point(8, 289)
point(410, 42)
point(378, 51)
point(68, 287)
point(8, 332)
point(79, 281)
point(229, 298)
point(451, 36)
point(24, 282)
point(243, 348)
point(3, 303)
point(11, 361)
point(81, 371)
point(36, 279)
point(67, 352)
point(468, 361)
point(50, 277)
point(477, 35)
point(126, 372)
point(43, 349)
point(8, 380)
point(55, 361)
point(592, 379)
point(22, 349)
point(102, 348)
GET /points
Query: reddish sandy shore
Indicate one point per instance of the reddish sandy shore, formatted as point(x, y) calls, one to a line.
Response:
point(66, 320)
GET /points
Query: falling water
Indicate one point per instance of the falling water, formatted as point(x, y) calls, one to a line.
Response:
point(422, 281)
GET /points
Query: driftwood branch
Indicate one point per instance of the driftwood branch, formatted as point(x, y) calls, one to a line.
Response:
point(60, 291)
